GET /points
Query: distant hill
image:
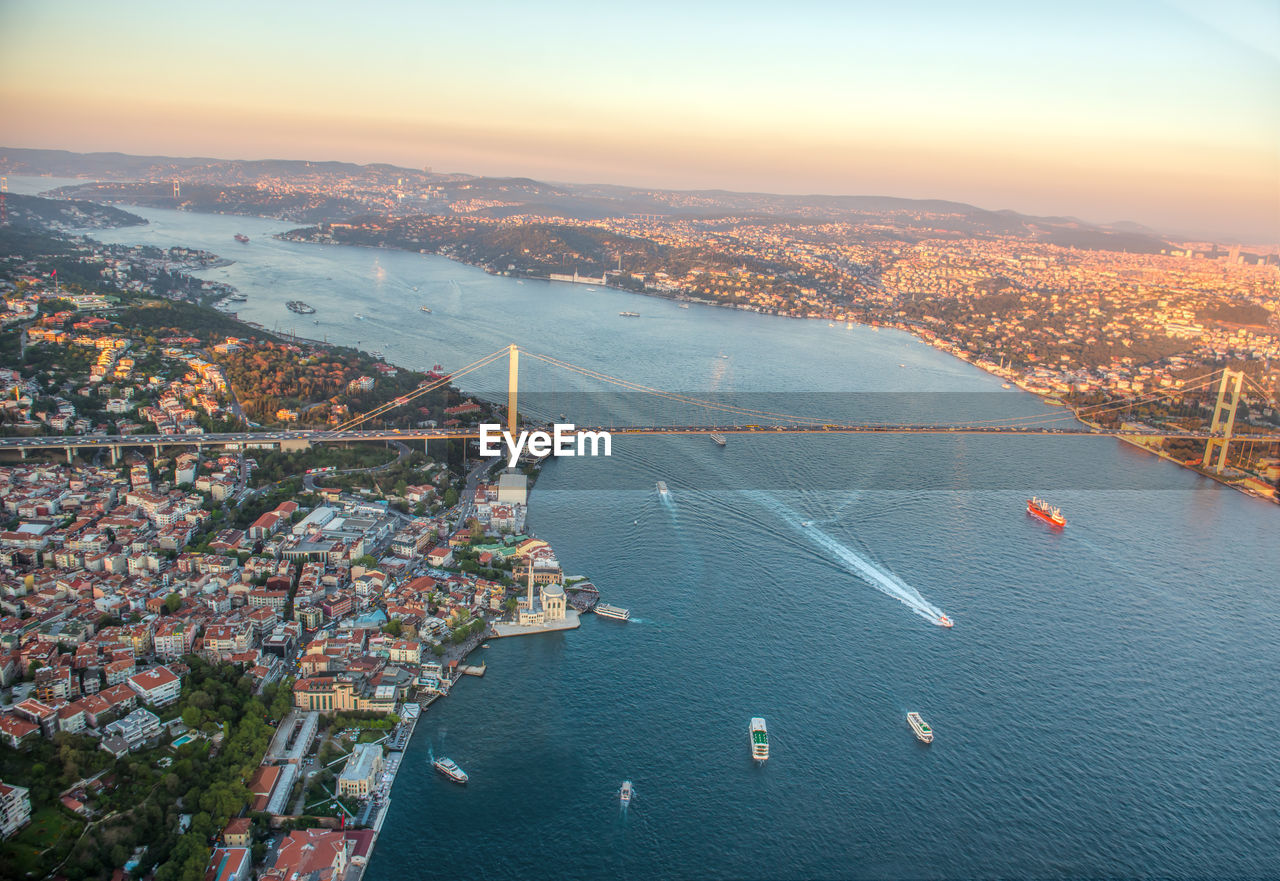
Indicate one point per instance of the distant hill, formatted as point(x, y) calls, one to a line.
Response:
point(230, 186)
point(67, 214)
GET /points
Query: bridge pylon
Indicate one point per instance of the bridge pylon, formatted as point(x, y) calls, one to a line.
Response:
point(1224, 420)
point(513, 374)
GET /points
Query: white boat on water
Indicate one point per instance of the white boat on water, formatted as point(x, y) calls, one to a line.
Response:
point(923, 732)
point(450, 769)
point(718, 438)
point(759, 735)
point(616, 612)
point(626, 793)
point(662, 488)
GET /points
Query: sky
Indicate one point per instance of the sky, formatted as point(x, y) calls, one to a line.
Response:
point(1164, 113)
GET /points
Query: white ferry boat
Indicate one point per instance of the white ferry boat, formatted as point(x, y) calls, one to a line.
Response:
point(629, 314)
point(924, 733)
point(626, 792)
point(718, 438)
point(662, 488)
point(759, 740)
point(616, 612)
point(450, 769)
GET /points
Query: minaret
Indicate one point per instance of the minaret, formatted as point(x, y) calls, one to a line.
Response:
point(529, 563)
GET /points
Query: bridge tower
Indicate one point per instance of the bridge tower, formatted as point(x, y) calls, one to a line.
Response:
point(1223, 412)
point(513, 373)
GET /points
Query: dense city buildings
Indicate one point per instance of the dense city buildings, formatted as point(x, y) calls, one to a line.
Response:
point(231, 642)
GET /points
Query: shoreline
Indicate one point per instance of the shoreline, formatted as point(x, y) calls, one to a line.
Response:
point(934, 343)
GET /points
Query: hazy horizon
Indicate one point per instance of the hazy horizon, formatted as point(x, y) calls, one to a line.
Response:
point(1163, 114)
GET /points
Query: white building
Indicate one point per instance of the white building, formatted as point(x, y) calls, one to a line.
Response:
point(158, 686)
point(15, 809)
point(134, 729)
point(360, 774)
point(513, 488)
point(313, 521)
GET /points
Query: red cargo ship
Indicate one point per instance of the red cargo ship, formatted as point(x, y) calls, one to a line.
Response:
point(1046, 512)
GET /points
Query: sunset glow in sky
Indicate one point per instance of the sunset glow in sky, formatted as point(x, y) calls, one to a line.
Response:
point(1163, 113)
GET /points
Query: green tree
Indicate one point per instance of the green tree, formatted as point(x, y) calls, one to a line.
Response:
point(172, 603)
point(450, 497)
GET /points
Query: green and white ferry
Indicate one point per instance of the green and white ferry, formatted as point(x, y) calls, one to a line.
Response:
point(759, 740)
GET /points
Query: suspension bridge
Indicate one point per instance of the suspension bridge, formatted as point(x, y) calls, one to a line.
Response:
point(722, 417)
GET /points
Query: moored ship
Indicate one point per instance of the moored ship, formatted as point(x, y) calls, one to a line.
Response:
point(759, 740)
point(718, 438)
point(616, 612)
point(923, 732)
point(1042, 510)
point(299, 307)
point(450, 769)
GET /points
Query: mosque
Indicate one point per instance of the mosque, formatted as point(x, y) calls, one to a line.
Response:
point(547, 611)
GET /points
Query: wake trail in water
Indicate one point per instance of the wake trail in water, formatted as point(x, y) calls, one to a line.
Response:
point(877, 576)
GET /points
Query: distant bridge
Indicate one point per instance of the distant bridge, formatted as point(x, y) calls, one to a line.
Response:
point(736, 420)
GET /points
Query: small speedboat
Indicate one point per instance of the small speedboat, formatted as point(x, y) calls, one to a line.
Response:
point(625, 793)
point(944, 621)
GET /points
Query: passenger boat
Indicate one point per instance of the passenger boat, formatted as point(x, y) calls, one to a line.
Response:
point(662, 488)
point(924, 733)
point(1042, 510)
point(626, 792)
point(426, 309)
point(629, 314)
point(242, 238)
point(616, 612)
point(759, 740)
point(718, 438)
point(450, 769)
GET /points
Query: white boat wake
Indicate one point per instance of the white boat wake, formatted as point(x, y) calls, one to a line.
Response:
point(878, 577)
